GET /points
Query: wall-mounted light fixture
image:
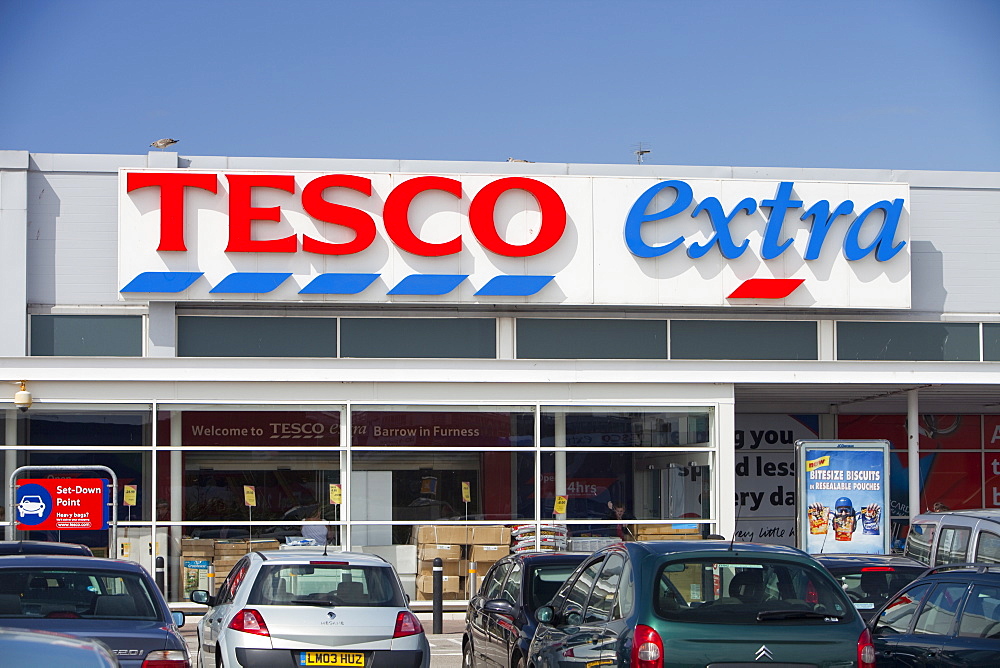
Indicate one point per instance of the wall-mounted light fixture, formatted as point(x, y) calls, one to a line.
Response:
point(22, 398)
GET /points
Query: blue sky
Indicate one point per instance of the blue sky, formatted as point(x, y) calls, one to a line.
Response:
point(888, 84)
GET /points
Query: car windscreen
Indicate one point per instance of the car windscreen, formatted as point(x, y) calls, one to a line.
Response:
point(735, 591)
point(326, 584)
point(544, 582)
point(869, 587)
point(919, 540)
point(75, 594)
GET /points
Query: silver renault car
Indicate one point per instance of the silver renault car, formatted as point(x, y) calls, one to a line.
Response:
point(307, 608)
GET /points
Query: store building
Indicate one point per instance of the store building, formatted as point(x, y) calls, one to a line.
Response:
point(371, 345)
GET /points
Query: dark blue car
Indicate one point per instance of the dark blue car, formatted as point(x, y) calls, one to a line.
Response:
point(500, 620)
point(116, 602)
point(947, 618)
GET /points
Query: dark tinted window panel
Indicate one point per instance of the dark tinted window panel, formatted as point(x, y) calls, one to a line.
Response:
point(991, 342)
point(591, 339)
point(908, 341)
point(742, 340)
point(205, 336)
point(86, 335)
point(419, 337)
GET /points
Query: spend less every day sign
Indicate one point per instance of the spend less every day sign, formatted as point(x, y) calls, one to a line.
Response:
point(597, 240)
point(62, 504)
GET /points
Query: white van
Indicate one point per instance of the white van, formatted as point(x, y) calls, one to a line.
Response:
point(955, 536)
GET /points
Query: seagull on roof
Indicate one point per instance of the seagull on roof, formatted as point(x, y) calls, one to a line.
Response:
point(163, 143)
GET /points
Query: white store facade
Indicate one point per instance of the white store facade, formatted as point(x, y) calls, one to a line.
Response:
point(463, 343)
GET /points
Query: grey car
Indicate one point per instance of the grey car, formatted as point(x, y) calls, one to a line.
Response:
point(308, 608)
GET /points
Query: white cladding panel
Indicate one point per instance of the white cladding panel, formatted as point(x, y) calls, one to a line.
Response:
point(956, 250)
point(72, 238)
point(591, 262)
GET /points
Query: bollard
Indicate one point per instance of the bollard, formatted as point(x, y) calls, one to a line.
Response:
point(438, 595)
point(472, 584)
point(159, 575)
point(211, 579)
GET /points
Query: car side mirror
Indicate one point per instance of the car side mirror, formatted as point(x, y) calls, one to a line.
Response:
point(178, 617)
point(499, 606)
point(545, 614)
point(202, 596)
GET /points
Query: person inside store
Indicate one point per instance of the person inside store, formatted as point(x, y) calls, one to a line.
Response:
point(322, 533)
point(616, 511)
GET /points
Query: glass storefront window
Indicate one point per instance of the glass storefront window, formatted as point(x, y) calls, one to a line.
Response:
point(450, 338)
point(539, 338)
point(743, 340)
point(601, 427)
point(86, 335)
point(443, 426)
point(908, 341)
point(647, 486)
point(248, 336)
point(470, 469)
point(286, 485)
point(431, 487)
point(108, 427)
point(249, 427)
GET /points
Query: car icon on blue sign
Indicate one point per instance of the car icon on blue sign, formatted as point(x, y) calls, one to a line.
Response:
point(31, 504)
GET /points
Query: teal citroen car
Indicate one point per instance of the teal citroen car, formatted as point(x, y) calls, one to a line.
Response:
point(700, 603)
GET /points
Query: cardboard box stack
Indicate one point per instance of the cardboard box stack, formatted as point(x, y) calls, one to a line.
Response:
point(228, 552)
point(444, 542)
point(676, 531)
point(456, 546)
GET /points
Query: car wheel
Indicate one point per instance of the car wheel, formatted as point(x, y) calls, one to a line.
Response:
point(468, 660)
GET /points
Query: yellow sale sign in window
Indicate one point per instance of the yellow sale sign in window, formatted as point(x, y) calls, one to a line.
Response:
point(466, 492)
point(560, 507)
point(130, 493)
point(249, 495)
point(335, 494)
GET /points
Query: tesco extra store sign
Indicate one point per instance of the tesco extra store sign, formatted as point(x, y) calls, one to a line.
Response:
point(482, 238)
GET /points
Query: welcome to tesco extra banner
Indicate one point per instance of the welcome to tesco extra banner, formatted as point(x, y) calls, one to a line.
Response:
point(482, 238)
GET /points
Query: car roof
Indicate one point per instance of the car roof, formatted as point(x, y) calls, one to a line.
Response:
point(850, 560)
point(305, 555)
point(966, 570)
point(528, 558)
point(738, 549)
point(977, 513)
point(71, 561)
point(42, 547)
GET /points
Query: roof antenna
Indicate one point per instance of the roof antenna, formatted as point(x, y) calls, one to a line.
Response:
point(736, 524)
point(640, 151)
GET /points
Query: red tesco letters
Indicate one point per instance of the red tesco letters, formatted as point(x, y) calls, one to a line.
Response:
point(315, 203)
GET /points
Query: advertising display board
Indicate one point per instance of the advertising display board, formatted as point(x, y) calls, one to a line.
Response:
point(843, 496)
point(62, 504)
